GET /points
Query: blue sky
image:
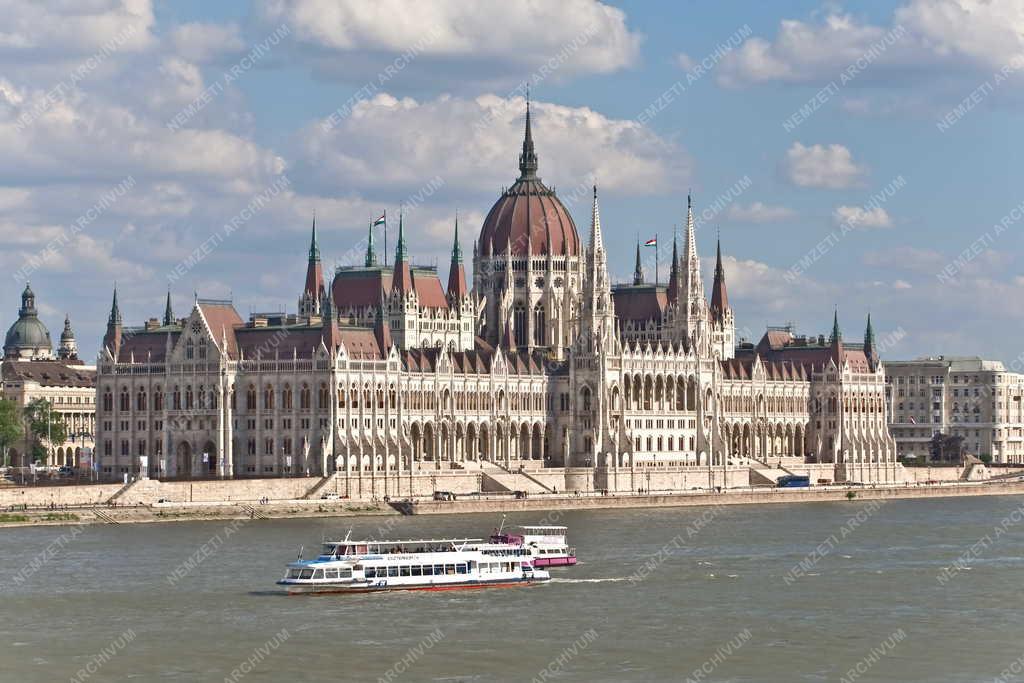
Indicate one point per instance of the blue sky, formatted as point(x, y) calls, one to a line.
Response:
point(142, 93)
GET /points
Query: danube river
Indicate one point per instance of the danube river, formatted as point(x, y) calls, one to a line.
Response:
point(815, 592)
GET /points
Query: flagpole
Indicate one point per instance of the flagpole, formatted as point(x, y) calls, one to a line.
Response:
point(385, 238)
point(656, 247)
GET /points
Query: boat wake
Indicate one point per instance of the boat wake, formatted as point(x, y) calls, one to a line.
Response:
point(605, 580)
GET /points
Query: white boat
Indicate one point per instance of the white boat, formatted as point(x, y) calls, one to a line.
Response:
point(545, 543)
point(423, 564)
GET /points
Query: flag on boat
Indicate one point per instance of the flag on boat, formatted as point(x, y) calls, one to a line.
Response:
point(381, 220)
point(651, 242)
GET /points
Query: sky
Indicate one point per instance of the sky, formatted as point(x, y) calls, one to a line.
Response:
point(856, 157)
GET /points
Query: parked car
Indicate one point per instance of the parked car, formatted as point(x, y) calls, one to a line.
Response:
point(330, 496)
point(66, 471)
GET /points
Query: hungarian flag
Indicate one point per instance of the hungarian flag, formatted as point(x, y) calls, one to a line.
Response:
point(651, 242)
point(912, 420)
point(381, 220)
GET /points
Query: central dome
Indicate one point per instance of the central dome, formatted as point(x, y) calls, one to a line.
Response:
point(528, 218)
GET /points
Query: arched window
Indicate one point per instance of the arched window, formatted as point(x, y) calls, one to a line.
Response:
point(586, 399)
point(140, 400)
point(539, 325)
point(268, 398)
point(124, 399)
point(176, 399)
point(108, 400)
point(190, 349)
point(158, 399)
point(304, 397)
point(325, 401)
point(202, 397)
point(250, 398)
point(519, 323)
point(188, 397)
point(202, 348)
point(286, 397)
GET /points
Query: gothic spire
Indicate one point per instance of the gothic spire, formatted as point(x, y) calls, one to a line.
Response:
point(402, 281)
point(836, 334)
point(371, 254)
point(400, 250)
point(115, 312)
point(168, 311)
point(673, 277)
point(638, 271)
point(457, 287)
point(870, 349)
point(314, 248)
point(528, 157)
point(719, 295)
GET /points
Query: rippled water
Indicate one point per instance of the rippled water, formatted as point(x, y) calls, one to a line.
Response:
point(715, 599)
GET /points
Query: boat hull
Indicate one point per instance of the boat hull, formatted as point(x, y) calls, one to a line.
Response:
point(362, 587)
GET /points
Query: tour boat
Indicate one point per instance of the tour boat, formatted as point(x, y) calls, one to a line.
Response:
point(546, 544)
point(425, 564)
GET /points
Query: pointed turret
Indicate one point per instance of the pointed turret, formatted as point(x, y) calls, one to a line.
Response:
point(382, 330)
point(836, 340)
point(168, 311)
point(638, 270)
point(528, 157)
point(310, 303)
point(870, 349)
point(402, 281)
point(673, 276)
point(457, 288)
point(330, 333)
point(598, 309)
point(112, 338)
point(719, 295)
point(691, 284)
point(371, 254)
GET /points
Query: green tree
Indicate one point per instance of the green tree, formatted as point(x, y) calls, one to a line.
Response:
point(44, 425)
point(10, 426)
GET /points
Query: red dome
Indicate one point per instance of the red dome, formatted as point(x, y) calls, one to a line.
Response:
point(529, 218)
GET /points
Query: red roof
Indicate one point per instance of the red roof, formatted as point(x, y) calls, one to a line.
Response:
point(639, 303)
point(222, 319)
point(48, 373)
point(528, 213)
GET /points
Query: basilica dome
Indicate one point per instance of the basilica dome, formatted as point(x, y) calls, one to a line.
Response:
point(28, 336)
point(528, 218)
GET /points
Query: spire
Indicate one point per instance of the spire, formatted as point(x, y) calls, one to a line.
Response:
point(314, 248)
point(371, 255)
point(528, 158)
point(28, 301)
point(596, 241)
point(719, 295)
point(690, 245)
point(836, 334)
point(692, 284)
point(68, 347)
point(168, 311)
point(457, 287)
point(673, 277)
point(837, 340)
point(869, 345)
point(115, 312)
point(638, 271)
point(402, 281)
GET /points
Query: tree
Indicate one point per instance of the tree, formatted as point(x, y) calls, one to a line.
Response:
point(44, 424)
point(10, 426)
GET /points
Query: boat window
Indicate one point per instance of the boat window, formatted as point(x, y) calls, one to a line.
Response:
point(371, 572)
point(449, 569)
point(404, 570)
point(306, 574)
point(344, 573)
point(392, 571)
point(417, 570)
point(318, 574)
point(428, 570)
point(438, 570)
point(460, 568)
point(330, 573)
point(328, 549)
point(294, 573)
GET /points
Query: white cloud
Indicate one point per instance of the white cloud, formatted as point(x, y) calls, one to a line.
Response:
point(473, 145)
point(901, 284)
point(507, 38)
point(911, 259)
point(56, 31)
point(758, 212)
point(199, 42)
point(932, 37)
point(831, 167)
point(858, 217)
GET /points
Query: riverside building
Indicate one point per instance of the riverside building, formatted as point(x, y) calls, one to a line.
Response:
point(969, 397)
point(387, 374)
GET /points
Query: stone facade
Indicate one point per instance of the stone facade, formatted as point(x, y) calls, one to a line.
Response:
point(976, 399)
point(386, 376)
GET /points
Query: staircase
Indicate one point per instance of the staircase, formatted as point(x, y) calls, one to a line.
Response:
point(496, 479)
point(762, 474)
point(314, 491)
point(104, 517)
point(252, 512)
